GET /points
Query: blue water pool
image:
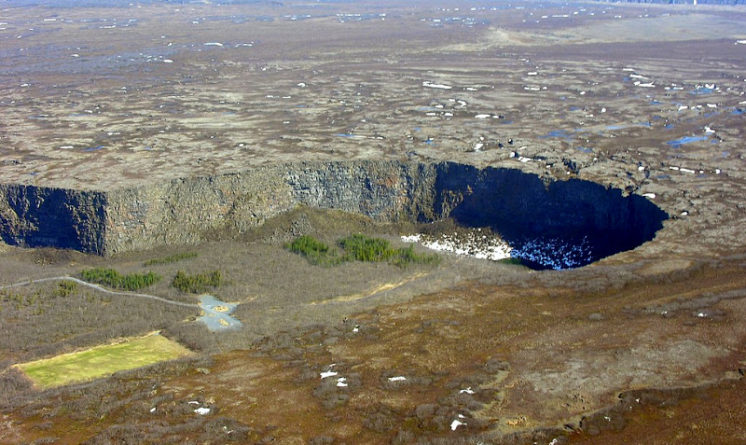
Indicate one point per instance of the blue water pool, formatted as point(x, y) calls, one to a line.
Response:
point(217, 314)
point(676, 143)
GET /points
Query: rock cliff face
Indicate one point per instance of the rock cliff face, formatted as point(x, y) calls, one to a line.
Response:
point(38, 216)
point(184, 211)
point(383, 190)
point(188, 210)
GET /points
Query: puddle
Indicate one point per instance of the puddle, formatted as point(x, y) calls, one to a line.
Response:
point(349, 136)
point(623, 126)
point(217, 314)
point(560, 134)
point(702, 91)
point(615, 127)
point(676, 143)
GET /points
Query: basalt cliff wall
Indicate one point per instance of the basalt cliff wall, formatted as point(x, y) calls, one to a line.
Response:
point(188, 210)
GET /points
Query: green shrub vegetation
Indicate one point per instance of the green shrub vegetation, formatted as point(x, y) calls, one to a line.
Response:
point(407, 255)
point(358, 248)
point(112, 278)
point(196, 283)
point(65, 288)
point(170, 259)
point(315, 251)
point(364, 248)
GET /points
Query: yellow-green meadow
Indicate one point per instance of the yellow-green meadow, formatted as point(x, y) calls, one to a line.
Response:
point(100, 361)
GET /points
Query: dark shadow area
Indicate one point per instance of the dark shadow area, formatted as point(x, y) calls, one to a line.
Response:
point(41, 217)
point(559, 225)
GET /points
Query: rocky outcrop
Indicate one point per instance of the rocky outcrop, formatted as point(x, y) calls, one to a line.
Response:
point(383, 190)
point(188, 210)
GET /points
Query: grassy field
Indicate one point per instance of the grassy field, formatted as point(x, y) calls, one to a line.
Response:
point(101, 361)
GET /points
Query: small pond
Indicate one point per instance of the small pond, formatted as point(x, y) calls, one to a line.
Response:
point(217, 314)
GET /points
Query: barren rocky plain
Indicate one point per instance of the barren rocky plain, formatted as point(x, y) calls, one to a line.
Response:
point(213, 134)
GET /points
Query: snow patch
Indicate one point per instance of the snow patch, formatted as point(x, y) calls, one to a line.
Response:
point(473, 244)
point(440, 86)
point(327, 374)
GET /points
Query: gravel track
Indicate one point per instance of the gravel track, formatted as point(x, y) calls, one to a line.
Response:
point(101, 289)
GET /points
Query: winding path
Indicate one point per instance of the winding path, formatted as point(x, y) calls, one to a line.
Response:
point(101, 289)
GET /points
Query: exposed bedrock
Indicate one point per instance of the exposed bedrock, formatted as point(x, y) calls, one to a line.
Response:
point(40, 216)
point(522, 207)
